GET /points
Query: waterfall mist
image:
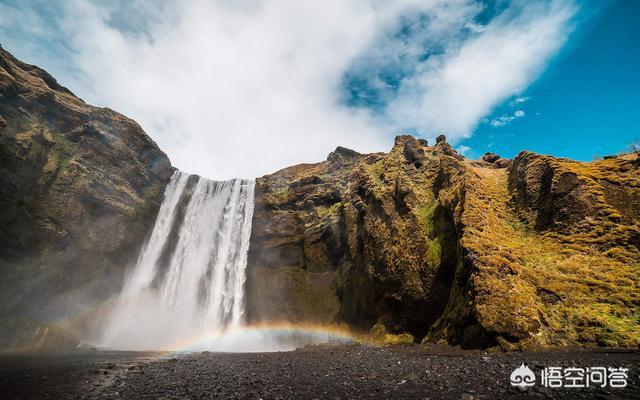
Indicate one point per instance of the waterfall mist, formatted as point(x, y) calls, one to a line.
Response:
point(189, 278)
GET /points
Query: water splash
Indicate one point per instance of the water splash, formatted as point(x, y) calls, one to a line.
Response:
point(189, 278)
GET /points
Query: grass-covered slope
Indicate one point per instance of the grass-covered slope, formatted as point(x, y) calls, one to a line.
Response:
point(537, 251)
point(570, 280)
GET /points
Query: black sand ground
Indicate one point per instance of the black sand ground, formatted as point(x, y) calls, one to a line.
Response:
point(319, 372)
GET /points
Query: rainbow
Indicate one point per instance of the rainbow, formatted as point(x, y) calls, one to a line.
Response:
point(268, 337)
point(258, 337)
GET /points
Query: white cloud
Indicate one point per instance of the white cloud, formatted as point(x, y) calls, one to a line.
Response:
point(463, 149)
point(457, 89)
point(477, 28)
point(245, 88)
point(519, 100)
point(505, 119)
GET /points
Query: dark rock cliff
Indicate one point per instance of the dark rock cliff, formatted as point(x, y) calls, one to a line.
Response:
point(79, 189)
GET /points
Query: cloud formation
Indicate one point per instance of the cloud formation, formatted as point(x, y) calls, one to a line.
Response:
point(243, 88)
point(506, 118)
point(519, 100)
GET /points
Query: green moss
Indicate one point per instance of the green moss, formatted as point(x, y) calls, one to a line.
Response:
point(379, 335)
point(376, 170)
point(151, 198)
point(278, 195)
point(434, 250)
point(324, 211)
point(426, 215)
point(64, 150)
point(538, 285)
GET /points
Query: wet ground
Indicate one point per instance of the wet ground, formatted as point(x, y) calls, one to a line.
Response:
point(317, 372)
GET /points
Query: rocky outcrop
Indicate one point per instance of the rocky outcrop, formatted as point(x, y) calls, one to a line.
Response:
point(573, 197)
point(79, 189)
point(492, 160)
point(490, 157)
point(298, 239)
point(366, 239)
point(422, 241)
point(401, 238)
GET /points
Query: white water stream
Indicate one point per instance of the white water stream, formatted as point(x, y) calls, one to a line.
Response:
point(189, 278)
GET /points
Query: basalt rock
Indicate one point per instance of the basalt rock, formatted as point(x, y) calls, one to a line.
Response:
point(342, 153)
point(80, 187)
point(490, 157)
point(412, 150)
point(495, 161)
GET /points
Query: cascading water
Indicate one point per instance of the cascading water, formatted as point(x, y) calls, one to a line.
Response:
point(189, 278)
point(186, 291)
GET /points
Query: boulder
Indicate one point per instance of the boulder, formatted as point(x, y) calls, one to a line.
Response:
point(341, 153)
point(490, 157)
point(413, 152)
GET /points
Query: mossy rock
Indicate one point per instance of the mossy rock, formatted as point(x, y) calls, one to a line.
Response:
point(379, 335)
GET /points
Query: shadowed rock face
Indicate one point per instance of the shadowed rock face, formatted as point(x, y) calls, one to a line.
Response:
point(20, 334)
point(79, 190)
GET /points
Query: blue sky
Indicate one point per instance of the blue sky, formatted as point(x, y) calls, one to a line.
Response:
point(587, 102)
point(241, 89)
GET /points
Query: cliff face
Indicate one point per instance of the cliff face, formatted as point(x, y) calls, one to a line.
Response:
point(534, 251)
point(359, 238)
point(79, 189)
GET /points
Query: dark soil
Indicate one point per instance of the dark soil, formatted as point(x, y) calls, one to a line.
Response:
point(318, 372)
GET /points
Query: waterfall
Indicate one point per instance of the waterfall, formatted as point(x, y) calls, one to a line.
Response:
point(189, 277)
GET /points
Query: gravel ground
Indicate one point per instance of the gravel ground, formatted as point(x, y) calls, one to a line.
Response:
point(316, 372)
